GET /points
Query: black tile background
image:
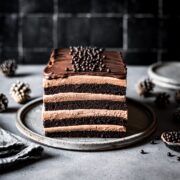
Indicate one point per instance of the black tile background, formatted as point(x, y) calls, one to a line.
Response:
point(73, 31)
point(37, 32)
point(108, 6)
point(36, 6)
point(145, 31)
point(143, 7)
point(110, 35)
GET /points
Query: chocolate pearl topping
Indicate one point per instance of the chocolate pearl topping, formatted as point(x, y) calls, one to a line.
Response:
point(88, 59)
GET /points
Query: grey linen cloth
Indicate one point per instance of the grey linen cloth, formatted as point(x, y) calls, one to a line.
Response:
point(14, 149)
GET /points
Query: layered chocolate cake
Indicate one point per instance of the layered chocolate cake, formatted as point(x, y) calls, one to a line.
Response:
point(85, 93)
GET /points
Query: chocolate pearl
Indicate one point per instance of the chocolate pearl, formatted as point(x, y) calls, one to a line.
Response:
point(101, 50)
point(76, 64)
point(103, 57)
point(87, 58)
point(77, 48)
point(108, 70)
point(169, 154)
point(143, 152)
point(98, 56)
point(74, 56)
point(152, 142)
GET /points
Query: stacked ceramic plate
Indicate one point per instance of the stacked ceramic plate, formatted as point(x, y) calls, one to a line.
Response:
point(166, 75)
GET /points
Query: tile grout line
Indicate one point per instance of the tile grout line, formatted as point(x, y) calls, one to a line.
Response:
point(160, 16)
point(20, 36)
point(55, 24)
point(125, 33)
point(89, 15)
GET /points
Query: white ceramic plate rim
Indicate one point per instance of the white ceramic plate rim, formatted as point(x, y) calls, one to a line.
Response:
point(165, 85)
point(152, 74)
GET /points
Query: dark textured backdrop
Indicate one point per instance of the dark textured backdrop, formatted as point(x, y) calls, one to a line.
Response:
point(145, 30)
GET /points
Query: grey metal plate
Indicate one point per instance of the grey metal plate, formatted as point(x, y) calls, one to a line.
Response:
point(166, 75)
point(141, 124)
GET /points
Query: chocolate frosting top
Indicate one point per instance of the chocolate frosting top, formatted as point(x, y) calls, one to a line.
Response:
point(60, 59)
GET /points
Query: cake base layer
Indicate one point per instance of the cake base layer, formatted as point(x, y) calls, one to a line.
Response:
point(100, 134)
point(96, 104)
point(85, 120)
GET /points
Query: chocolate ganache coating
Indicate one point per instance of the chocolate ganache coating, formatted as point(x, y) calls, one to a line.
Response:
point(84, 61)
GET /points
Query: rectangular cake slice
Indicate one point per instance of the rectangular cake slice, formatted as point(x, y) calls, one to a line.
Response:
point(85, 93)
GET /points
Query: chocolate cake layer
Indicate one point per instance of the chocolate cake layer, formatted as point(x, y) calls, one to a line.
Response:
point(61, 59)
point(85, 120)
point(99, 134)
point(90, 104)
point(87, 88)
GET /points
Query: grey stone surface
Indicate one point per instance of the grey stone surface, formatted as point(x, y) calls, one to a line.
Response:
point(126, 163)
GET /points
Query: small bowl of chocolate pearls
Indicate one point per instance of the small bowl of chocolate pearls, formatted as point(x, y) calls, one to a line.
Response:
point(172, 139)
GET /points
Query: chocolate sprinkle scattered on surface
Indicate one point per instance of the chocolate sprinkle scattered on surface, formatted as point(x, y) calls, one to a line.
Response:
point(153, 142)
point(169, 154)
point(143, 152)
point(87, 59)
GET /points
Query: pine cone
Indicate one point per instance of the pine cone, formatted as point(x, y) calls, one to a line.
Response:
point(8, 67)
point(20, 92)
point(145, 87)
point(162, 99)
point(177, 96)
point(176, 115)
point(3, 102)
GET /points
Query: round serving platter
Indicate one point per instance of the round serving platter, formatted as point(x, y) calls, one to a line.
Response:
point(141, 124)
point(166, 75)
